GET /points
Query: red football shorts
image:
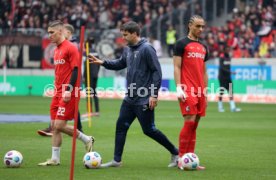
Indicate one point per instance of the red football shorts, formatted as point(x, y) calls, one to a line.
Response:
point(62, 110)
point(195, 104)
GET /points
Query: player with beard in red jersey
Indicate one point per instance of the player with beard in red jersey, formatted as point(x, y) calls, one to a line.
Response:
point(67, 65)
point(191, 80)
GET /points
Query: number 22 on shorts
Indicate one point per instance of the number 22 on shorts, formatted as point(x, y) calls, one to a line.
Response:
point(61, 111)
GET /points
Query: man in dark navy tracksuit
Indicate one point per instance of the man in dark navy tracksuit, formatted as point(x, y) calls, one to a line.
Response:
point(143, 82)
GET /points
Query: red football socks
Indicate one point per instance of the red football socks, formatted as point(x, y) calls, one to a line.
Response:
point(185, 136)
point(191, 146)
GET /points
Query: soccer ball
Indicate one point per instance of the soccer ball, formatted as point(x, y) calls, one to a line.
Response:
point(188, 161)
point(13, 158)
point(92, 160)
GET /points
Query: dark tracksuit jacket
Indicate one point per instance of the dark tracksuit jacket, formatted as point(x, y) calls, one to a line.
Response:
point(143, 71)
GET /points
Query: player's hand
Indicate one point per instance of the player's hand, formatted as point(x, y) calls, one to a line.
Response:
point(152, 102)
point(94, 60)
point(66, 96)
point(180, 94)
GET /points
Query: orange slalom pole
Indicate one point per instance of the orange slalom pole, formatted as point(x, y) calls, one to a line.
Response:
point(89, 106)
point(76, 106)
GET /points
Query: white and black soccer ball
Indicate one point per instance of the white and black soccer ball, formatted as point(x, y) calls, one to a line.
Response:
point(13, 159)
point(188, 161)
point(92, 160)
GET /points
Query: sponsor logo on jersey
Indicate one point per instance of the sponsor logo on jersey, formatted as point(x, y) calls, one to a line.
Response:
point(195, 55)
point(187, 108)
point(59, 61)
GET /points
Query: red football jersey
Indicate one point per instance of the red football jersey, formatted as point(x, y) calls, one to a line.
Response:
point(66, 57)
point(193, 54)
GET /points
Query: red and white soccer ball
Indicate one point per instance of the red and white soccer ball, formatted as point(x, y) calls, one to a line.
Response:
point(92, 160)
point(13, 159)
point(188, 161)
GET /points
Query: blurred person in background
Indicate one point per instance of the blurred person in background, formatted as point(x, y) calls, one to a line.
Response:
point(94, 71)
point(170, 40)
point(225, 80)
point(157, 45)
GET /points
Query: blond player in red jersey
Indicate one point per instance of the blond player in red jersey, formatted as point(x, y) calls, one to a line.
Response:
point(68, 34)
point(67, 65)
point(191, 80)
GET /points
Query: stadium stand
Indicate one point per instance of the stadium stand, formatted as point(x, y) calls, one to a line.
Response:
point(249, 30)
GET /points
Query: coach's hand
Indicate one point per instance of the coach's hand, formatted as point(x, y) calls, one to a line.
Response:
point(94, 60)
point(152, 102)
point(180, 94)
point(66, 96)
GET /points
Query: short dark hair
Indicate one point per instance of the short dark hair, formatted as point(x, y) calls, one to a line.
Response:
point(70, 28)
point(55, 23)
point(131, 27)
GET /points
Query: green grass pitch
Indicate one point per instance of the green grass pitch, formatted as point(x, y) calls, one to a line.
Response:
point(231, 145)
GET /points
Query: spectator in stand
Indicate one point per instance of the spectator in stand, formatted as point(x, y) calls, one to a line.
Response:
point(170, 39)
point(36, 14)
point(272, 48)
point(157, 45)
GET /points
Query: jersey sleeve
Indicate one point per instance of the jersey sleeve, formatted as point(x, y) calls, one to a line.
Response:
point(74, 57)
point(207, 54)
point(178, 48)
point(116, 64)
point(155, 68)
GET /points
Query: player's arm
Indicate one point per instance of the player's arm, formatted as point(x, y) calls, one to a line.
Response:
point(177, 63)
point(74, 62)
point(93, 59)
point(225, 69)
point(73, 79)
point(205, 68)
point(206, 83)
point(206, 74)
point(70, 87)
point(116, 64)
point(155, 68)
point(177, 60)
point(222, 66)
